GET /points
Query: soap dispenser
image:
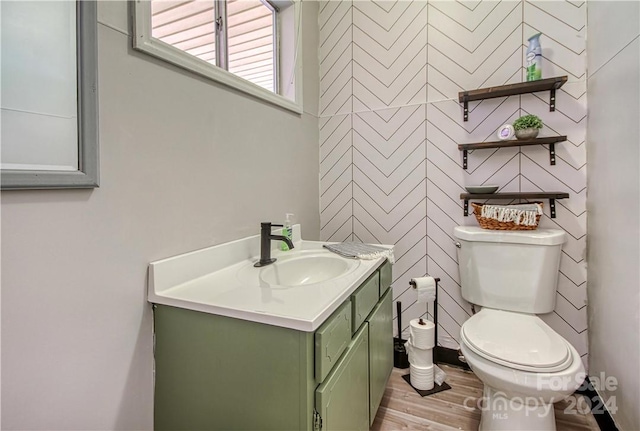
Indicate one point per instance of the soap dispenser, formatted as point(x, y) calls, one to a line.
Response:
point(287, 230)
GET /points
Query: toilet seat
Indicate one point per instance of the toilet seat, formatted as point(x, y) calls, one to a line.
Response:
point(516, 340)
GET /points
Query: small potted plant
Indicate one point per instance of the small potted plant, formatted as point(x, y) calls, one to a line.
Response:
point(527, 126)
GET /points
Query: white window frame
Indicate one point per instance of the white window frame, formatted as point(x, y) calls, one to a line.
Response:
point(144, 41)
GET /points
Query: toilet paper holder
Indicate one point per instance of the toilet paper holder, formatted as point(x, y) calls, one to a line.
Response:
point(435, 316)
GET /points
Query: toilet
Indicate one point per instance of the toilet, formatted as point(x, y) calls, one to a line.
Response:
point(524, 364)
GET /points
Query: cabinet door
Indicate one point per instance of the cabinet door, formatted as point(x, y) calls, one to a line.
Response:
point(385, 277)
point(343, 399)
point(331, 339)
point(364, 299)
point(380, 351)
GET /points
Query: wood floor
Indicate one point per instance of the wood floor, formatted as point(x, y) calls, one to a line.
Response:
point(403, 408)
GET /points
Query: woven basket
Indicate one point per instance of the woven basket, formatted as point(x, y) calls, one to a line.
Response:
point(489, 223)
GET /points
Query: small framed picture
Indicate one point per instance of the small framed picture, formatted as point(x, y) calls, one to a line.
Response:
point(506, 132)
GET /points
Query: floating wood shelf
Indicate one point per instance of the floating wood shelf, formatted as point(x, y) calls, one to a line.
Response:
point(551, 141)
point(551, 196)
point(549, 84)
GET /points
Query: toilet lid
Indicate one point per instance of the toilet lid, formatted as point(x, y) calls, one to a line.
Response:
point(516, 340)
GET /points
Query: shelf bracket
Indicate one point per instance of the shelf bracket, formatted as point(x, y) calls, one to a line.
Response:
point(466, 207)
point(465, 157)
point(552, 154)
point(465, 112)
point(552, 100)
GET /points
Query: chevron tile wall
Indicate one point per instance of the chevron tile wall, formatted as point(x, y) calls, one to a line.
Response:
point(391, 171)
point(335, 22)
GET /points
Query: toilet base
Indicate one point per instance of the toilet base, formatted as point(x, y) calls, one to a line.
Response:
point(500, 413)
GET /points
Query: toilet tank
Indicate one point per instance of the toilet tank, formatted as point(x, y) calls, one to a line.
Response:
point(509, 270)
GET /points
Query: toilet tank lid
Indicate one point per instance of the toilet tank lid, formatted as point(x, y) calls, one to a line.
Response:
point(535, 237)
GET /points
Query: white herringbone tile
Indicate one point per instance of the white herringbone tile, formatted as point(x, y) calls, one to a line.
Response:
point(335, 22)
point(336, 175)
point(390, 54)
point(391, 171)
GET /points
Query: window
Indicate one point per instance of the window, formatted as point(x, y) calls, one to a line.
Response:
point(238, 42)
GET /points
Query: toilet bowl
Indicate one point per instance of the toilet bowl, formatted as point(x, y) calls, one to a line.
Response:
point(524, 365)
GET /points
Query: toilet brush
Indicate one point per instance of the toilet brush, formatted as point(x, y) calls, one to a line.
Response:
point(400, 357)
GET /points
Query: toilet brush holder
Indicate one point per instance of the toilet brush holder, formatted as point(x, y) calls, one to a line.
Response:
point(400, 356)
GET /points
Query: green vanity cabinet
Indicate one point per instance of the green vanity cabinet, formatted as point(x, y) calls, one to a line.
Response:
point(364, 299)
point(385, 277)
point(380, 344)
point(219, 373)
point(342, 399)
point(331, 340)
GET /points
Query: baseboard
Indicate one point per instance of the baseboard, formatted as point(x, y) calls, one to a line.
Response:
point(600, 413)
point(444, 355)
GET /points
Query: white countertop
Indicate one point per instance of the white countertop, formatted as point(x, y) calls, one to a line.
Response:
point(222, 280)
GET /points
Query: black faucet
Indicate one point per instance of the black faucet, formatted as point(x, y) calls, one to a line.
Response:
point(265, 243)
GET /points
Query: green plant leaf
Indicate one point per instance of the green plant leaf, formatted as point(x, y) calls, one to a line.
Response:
point(528, 121)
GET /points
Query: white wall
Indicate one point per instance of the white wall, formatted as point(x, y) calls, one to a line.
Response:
point(614, 202)
point(185, 164)
point(391, 122)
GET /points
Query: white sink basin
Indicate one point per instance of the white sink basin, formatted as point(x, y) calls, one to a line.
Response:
point(299, 291)
point(303, 270)
point(300, 268)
